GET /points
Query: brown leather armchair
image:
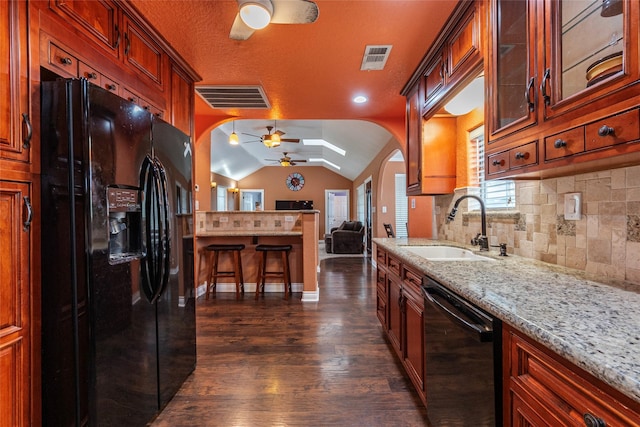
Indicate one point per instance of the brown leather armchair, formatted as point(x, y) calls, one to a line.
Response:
point(347, 238)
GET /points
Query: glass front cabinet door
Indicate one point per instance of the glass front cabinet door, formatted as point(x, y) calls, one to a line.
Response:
point(551, 58)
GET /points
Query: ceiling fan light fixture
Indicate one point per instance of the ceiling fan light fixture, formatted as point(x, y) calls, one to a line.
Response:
point(256, 13)
point(285, 163)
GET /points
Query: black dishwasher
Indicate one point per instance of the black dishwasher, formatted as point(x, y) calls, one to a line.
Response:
point(463, 361)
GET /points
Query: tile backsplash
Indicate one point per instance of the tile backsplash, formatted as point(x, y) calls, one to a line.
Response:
point(604, 241)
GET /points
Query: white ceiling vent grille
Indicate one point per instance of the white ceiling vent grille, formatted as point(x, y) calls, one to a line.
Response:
point(234, 96)
point(375, 57)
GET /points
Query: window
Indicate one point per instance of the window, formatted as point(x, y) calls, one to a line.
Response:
point(402, 210)
point(497, 193)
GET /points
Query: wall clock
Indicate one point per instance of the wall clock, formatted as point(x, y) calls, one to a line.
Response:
point(295, 181)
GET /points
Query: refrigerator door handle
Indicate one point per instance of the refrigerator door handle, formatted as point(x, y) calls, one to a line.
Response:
point(149, 265)
point(164, 235)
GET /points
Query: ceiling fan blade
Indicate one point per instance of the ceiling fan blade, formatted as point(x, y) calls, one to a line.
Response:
point(294, 12)
point(240, 30)
point(289, 140)
point(298, 161)
point(279, 132)
point(250, 134)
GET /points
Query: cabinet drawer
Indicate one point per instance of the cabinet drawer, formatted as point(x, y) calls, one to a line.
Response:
point(613, 130)
point(88, 73)
point(381, 257)
point(497, 163)
point(110, 85)
point(381, 309)
point(62, 61)
point(412, 278)
point(564, 144)
point(563, 392)
point(393, 265)
point(381, 281)
point(524, 155)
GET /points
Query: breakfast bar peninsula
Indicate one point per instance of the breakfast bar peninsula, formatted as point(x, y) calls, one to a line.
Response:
point(298, 228)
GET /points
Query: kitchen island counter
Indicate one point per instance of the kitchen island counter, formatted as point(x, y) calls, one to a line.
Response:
point(590, 321)
point(300, 229)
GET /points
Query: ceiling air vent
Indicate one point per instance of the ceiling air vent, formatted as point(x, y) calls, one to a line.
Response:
point(226, 97)
point(375, 57)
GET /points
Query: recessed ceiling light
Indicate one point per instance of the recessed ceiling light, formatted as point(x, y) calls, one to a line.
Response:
point(360, 99)
point(325, 161)
point(324, 143)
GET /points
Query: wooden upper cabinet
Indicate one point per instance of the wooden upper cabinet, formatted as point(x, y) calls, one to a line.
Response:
point(182, 102)
point(511, 68)
point(558, 70)
point(15, 119)
point(96, 18)
point(414, 142)
point(464, 46)
point(141, 52)
point(582, 63)
point(15, 300)
point(433, 82)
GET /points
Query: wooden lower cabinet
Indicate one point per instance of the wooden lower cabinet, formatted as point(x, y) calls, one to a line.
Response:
point(543, 389)
point(16, 337)
point(404, 326)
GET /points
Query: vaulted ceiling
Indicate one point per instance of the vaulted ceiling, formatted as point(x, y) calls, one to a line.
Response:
point(308, 72)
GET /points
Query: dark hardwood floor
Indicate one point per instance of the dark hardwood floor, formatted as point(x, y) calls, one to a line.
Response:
point(284, 363)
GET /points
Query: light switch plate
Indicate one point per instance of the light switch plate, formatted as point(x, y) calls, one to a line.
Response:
point(573, 206)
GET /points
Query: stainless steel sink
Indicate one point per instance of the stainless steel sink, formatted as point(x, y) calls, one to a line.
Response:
point(445, 253)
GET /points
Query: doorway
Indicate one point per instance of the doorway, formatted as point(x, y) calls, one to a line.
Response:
point(368, 214)
point(336, 208)
point(251, 200)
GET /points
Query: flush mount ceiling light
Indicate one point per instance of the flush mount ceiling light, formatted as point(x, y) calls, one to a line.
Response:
point(233, 138)
point(360, 99)
point(472, 96)
point(256, 13)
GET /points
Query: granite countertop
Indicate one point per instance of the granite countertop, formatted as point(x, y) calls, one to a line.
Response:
point(591, 321)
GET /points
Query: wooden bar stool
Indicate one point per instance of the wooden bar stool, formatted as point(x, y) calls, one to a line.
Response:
point(214, 252)
point(284, 274)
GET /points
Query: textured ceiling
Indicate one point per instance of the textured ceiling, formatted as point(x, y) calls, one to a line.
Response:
point(308, 71)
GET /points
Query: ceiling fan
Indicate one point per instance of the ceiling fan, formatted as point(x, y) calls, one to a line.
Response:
point(272, 138)
point(257, 14)
point(285, 160)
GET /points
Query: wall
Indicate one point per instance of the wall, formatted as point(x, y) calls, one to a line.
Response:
point(202, 174)
point(374, 171)
point(387, 192)
point(317, 178)
point(605, 241)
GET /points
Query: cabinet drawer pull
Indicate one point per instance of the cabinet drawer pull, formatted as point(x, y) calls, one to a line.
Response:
point(92, 76)
point(593, 421)
point(111, 87)
point(27, 131)
point(606, 131)
point(497, 162)
point(520, 155)
point(543, 86)
point(559, 143)
point(527, 95)
point(66, 61)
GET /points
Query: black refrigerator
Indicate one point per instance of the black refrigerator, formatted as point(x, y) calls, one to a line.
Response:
point(118, 306)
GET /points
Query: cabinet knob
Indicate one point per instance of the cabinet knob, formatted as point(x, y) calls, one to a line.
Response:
point(111, 87)
point(559, 143)
point(593, 421)
point(606, 130)
point(498, 162)
point(520, 155)
point(66, 60)
point(92, 76)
